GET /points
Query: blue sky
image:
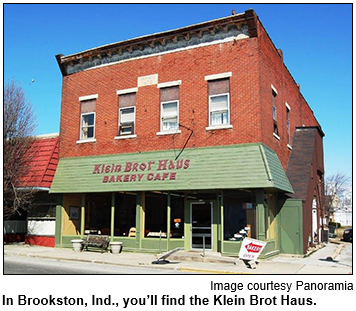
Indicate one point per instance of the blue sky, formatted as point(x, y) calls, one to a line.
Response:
point(316, 41)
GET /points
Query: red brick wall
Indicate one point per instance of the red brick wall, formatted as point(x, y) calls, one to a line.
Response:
point(255, 65)
point(273, 71)
point(190, 66)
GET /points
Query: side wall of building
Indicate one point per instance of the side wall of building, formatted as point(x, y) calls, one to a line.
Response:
point(272, 71)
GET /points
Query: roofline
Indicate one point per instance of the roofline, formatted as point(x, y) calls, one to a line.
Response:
point(248, 17)
point(311, 127)
point(33, 188)
point(161, 33)
point(44, 136)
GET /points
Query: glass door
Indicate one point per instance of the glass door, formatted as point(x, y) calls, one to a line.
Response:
point(201, 221)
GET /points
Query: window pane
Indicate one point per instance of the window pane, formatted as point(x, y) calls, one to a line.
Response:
point(125, 214)
point(170, 124)
point(239, 213)
point(127, 115)
point(88, 119)
point(98, 213)
point(84, 133)
point(87, 132)
point(219, 118)
point(126, 129)
point(169, 109)
point(90, 132)
point(155, 215)
point(177, 216)
point(218, 103)
point(274, 112)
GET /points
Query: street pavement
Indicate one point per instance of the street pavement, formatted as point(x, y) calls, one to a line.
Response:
point(33, 265)
point(332, 259)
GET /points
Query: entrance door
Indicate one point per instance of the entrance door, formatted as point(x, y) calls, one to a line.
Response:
point(201, 221)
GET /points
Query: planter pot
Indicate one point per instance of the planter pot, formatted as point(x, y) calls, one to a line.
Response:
point(77, 245)
point(116, 247)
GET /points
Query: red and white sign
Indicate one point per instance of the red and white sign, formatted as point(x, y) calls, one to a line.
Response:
point(251, 249)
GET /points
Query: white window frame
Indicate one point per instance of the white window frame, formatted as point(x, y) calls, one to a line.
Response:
point(126, 135)
point(161, 118)
point(228, 124)
point(81, 139)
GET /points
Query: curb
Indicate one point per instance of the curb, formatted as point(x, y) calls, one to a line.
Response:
point(207, 271)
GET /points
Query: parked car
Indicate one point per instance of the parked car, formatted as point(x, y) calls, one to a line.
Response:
point(347, 236)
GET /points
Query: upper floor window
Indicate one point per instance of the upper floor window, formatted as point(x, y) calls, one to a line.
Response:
point(274, 111)
point(219, 102)
point(127, 109)
point(87, 117)
point(88, 125)
point(169, 98)
point(169, 120)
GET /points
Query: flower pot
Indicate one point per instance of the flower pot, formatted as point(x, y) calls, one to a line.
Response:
point(116, 247)
point(77, 245)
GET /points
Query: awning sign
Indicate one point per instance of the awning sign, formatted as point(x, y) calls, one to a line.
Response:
point(251, 249)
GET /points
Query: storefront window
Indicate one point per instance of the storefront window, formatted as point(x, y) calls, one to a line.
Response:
point(177, 216)
point(155, 215)
point(125, 214)
point(239, 214)
point(42, 211)
point(98, 213)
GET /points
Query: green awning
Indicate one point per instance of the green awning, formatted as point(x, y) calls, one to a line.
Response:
point(227, 167)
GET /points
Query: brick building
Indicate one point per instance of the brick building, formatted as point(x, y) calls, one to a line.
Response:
point(170, 137)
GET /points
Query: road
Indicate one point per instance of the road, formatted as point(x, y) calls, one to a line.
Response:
point(27, 265)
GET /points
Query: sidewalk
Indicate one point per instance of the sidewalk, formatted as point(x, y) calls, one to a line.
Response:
point(314, 264)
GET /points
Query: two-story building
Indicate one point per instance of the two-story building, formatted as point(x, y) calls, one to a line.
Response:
point(186, 137)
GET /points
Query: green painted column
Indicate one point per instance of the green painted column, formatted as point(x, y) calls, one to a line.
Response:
point(112, 226)
point(59, 220)
point(222, 220)
point(260, 215)
point(215, 222)
point(82, 216)
point(168, 219)
point(140, 198)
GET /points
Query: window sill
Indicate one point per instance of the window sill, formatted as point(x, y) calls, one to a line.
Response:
point(126, 136)
point(82, 141)
point(168, 132)
point(276, 136)
point(218, 127)
point(289, 146)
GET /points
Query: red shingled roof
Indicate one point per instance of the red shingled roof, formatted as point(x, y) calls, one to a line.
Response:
point(44, 159)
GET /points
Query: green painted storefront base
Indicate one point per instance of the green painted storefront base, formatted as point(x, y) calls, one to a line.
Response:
point(149, 245)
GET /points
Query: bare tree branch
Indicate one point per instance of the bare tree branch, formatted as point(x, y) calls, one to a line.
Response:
point(19, 126)
point(335, 185)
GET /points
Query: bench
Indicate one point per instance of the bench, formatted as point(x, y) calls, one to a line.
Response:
point(98, 241)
